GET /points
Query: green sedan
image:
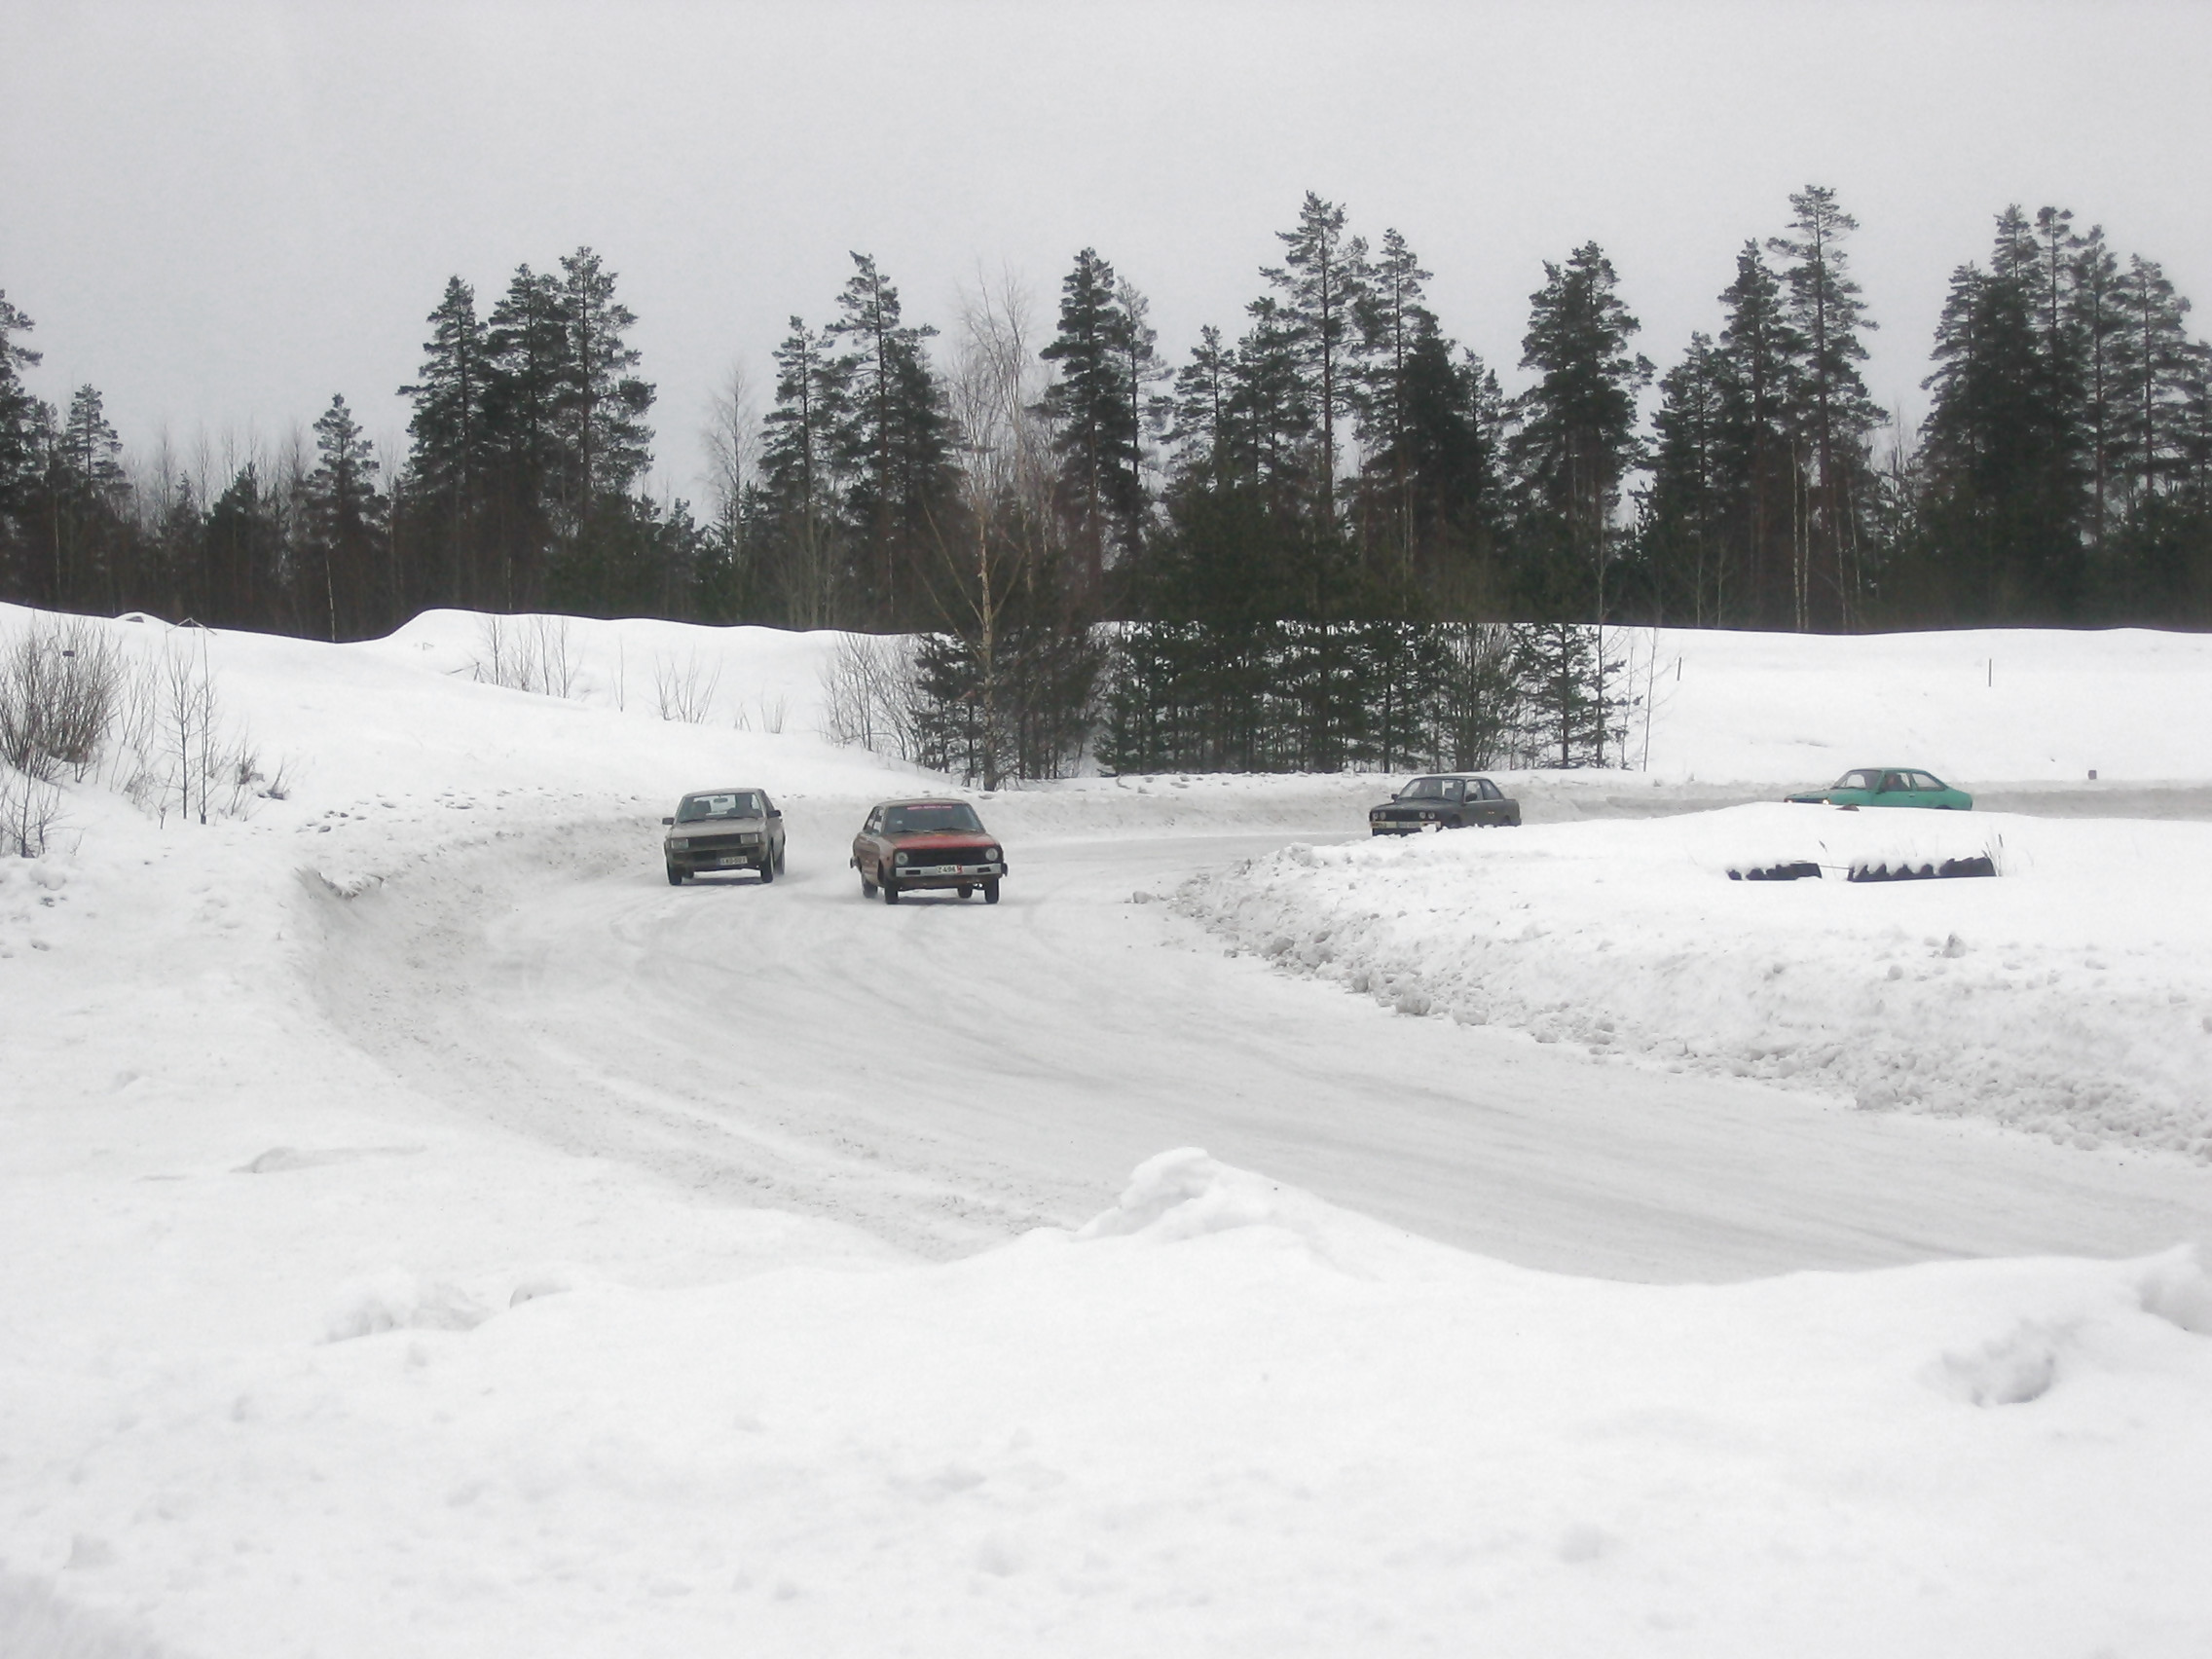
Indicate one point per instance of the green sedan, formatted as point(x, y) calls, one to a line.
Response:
point(1891, 786)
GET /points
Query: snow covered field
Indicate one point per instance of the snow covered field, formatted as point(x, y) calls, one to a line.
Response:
point(430, 1233)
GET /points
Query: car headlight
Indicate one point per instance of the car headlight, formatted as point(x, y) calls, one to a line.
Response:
point(990, 855)
point(678, 846)
point(899, 858)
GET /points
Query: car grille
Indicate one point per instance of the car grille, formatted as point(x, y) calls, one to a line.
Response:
point(934, 857)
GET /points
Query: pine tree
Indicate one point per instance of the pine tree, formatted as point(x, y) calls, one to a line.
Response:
point(1102, 353)
point(1322, 283)
point(1143, 369)
point(1987, 445)
point(2153, 350)
point(345, 524)
point(1199, 417)
point(1760, 359)
point(21, 425)
point(1400, 341)
point(242, 547)
point(1686, 509)
point(449, 464)
point(88, 503)
point(2096, 323)
point(525, 341)
point(898, 441)
point(1578, 433)
point(600, 405)
point(1837, 411)
point(800, 470)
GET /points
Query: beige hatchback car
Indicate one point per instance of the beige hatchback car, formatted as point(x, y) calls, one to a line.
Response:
point(724, 830)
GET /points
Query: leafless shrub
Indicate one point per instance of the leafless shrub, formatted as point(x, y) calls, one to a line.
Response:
point(871, 696)
point(30, 809)
point(58, 684)
point(771, 715)
point(684, 693)
point(527, 653)
point(175, 751)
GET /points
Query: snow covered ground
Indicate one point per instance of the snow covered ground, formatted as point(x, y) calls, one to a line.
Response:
point(430, 1233)
point(2072, 996)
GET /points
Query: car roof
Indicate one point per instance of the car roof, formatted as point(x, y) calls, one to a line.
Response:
point(924, 800)
point(725, 788)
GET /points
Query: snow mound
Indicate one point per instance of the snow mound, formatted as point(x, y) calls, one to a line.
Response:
point(2071, 999)
point(395, 1299)
point(1184, 1194)
point(37, 1623)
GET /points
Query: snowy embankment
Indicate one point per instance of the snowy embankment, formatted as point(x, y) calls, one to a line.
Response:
point(1223, 1418)
point(2072, 996)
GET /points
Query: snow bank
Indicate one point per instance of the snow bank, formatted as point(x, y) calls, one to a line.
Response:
point(1223, 1418)
point(2071, 997)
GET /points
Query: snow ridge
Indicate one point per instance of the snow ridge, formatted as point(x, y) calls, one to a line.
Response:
point(2065, 998)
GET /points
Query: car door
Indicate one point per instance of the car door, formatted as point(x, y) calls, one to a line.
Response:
point(1894, 788)
point(1454, 808)
point(867, 851)
point(1933, 791)
point(1491, 806)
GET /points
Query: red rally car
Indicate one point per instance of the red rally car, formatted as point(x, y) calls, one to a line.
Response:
point(908, 845)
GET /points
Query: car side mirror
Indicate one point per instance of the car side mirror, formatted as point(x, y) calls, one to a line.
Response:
point(775, 812)
point(667, 821)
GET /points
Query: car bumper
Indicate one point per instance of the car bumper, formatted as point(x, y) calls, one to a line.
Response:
point(699, 860)
point(909, 876)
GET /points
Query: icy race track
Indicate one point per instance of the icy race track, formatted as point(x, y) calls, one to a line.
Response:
point(992, 1070)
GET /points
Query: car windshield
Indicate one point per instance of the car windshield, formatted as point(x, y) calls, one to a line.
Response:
point(731, 803)
point(1422, 788)
point(931, 818)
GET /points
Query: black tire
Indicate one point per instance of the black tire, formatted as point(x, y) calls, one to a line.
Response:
point(890, 886)
point(676, 875)
point(779, 858)
point(966, 891)
point(991, 891)
point(867, 885)
point(767, 868)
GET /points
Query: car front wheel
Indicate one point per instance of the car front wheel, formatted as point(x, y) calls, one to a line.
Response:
point(991, 891)
point(890, 886)
point(676, 875)
point(767, 868)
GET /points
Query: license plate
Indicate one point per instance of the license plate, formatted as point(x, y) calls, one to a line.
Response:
point(732, 858)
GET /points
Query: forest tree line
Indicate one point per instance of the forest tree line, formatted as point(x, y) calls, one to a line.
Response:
point(1338, 459)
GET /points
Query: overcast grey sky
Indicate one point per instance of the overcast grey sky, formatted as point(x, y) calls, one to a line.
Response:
point(221, 215)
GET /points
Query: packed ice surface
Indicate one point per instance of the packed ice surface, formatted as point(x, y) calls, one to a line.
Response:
point(428, 1233)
